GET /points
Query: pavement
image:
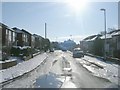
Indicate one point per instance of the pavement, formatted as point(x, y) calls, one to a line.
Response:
point(60, 70)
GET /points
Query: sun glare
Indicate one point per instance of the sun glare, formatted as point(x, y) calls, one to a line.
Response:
point(77, 5)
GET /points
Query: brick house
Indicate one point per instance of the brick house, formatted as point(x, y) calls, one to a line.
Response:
point(112, 45)
point(116, 44)
point(7, 39)
point(23, 37)
point(38, 41)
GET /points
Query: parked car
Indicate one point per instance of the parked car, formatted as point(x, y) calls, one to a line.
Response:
point(51, 50)
point(64, 50)
point(77, 53)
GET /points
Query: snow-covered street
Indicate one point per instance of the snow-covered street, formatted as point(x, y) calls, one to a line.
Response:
point(101, 68)
point(60, 70)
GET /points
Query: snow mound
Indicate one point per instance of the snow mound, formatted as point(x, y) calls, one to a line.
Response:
point(21, 68)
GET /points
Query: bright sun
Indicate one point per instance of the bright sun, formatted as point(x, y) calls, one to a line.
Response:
point(77, 5)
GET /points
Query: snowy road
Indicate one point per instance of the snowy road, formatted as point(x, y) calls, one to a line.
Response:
point(60, 70)
point(84, 78)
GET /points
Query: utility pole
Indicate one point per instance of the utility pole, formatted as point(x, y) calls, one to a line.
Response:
point(45, 30)
point(104, 10)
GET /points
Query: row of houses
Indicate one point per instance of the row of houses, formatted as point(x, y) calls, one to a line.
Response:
point(95, 44)
point(10, 37)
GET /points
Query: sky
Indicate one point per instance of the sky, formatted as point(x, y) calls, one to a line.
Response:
point(64, 20)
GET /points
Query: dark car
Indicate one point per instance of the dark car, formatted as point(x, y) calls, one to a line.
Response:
point(77, 53)
point(64, 50)
point(51, 50)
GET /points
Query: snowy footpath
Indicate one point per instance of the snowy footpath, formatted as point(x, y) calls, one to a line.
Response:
point(21, 68)
point(101, 68)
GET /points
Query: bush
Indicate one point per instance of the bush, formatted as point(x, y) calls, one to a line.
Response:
point(21, 51)
point(15, 51)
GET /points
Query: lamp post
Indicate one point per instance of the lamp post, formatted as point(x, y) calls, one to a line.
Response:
point(104, 10)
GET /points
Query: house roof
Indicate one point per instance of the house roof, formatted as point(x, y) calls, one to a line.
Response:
point(110, 34)
point(35, 35)
point(93, 37)
point(26, 31)
point(17, 30)
point(107, 36)
point(89, 37)
point(117, 32)
point(5, 26)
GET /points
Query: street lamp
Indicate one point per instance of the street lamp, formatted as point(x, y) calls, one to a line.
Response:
point(104, 10)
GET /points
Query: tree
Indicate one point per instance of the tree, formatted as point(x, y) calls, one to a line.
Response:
point(98, 47)
point(46, 44)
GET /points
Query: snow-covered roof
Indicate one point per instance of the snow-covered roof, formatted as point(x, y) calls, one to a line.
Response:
point(5, 26)
point(91, 38)
point(25, 31)
point(110, 34)
point(17, 30)
point(117, 33)
point(38, 36)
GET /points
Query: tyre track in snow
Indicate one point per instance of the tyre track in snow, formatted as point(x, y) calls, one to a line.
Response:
point(84, 79)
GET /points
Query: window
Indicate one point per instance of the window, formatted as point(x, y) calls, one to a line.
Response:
point(13, 36)
point(9, 36)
